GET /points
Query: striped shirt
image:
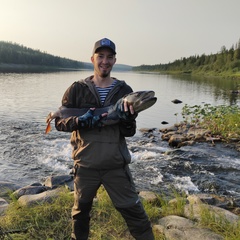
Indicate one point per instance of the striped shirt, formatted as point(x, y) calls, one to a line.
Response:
point(103, 92)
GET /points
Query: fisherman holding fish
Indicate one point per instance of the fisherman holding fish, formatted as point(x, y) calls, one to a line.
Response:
point(100, 152)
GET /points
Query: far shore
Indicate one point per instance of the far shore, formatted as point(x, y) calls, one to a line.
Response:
point(27, 68)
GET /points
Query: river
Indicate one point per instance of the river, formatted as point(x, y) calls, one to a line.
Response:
point(28, 155)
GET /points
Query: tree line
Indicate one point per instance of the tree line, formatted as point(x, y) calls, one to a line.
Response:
point(13, 53)
point(225, 61)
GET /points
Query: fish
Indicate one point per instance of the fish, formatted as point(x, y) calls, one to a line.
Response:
point(140, 101)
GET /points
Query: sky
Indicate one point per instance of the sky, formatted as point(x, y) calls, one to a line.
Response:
point(144, 31)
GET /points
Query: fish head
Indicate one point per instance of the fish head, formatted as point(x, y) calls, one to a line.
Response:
point(140, 100)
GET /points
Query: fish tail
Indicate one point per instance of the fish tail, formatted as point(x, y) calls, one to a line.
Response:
point(48, 128)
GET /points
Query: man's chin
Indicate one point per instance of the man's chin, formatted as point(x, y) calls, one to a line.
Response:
point(105, 74)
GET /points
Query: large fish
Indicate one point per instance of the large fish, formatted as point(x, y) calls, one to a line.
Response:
point(140, 101)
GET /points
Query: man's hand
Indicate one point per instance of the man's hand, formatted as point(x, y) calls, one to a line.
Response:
point(127, 112)
point(88, 120)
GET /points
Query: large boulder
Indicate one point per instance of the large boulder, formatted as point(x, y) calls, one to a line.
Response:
point(41, 198)
point(59, 180)
point(30, 190)
point(195, 211)
point(175, 228)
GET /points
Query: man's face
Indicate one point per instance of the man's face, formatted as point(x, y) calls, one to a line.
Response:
point(103, 62)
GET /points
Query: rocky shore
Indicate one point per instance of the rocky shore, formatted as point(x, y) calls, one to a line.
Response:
point(172, 227)
point(182, 134)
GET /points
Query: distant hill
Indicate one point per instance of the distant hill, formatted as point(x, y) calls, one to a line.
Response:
point(15, 57)
point(117, 67)
point(18, 58)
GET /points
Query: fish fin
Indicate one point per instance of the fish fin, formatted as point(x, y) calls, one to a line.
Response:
point(48, 128)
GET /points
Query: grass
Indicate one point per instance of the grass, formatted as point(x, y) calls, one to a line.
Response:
point(220, 225)
point(51, 221)
point(48, 221)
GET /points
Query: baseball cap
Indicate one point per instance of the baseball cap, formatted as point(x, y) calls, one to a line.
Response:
point(106, 43)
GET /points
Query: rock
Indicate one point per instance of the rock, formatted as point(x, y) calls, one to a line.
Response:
point(147, 130)
point(175, 228)
point(235, 91)
point(41, 198)
point(175, 140)
point(3, 206)
point(176, 101)
point(29, 190)
point(167, 136)
point(200, 198)
point(195, 211)
point(186, 143)
point(59, 180)
point(148, 196)
point(7, 187)
point(169, 129)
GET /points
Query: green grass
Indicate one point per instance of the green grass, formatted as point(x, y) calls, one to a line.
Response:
point(48, 221)
point(219, 225)
point(52, 221)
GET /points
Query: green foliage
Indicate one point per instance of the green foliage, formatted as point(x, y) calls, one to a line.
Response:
point(222, 120)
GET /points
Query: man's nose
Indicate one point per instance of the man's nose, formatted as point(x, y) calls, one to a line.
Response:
point(105, 60)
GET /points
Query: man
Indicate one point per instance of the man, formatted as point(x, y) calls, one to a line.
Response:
point(100, 153)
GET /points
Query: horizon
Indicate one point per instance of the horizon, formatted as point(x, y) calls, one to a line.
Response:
point(42, 51)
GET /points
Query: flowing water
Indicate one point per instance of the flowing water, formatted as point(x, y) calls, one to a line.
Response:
point(28, 155)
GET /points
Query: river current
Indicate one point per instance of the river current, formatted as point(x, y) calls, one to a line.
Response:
point(28, 155)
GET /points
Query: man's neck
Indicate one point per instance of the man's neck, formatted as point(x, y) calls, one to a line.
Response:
point(102, 82)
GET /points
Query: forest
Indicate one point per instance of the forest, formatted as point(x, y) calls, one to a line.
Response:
point(224, 63)
point(15, 57)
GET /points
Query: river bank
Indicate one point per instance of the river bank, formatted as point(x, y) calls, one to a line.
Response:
point(31, 68)
point(174, 218)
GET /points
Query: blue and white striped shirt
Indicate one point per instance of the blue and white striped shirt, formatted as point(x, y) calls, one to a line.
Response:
point(103, 92)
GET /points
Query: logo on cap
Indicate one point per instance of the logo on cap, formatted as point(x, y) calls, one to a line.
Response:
point(105, 42)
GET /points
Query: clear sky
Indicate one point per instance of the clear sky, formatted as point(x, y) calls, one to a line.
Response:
point(144, 31)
